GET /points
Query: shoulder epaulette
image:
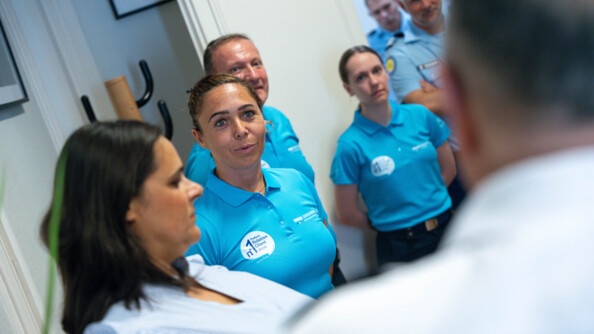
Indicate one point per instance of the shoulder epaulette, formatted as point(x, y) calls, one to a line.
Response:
point(393, 39)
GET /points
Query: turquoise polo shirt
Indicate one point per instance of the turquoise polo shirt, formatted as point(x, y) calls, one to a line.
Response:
point(280, 236)
point(280, 151)
point(395, 167)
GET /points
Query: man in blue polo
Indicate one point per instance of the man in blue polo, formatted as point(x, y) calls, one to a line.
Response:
point(413, 62)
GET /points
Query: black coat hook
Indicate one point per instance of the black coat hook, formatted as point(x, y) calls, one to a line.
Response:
point(148, 80)
point(148, 93)
point(166, 119)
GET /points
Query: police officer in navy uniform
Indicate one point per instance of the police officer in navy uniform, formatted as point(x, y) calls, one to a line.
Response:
point(413, 60)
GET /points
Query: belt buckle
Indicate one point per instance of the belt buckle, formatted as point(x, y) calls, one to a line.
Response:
point(431, 224)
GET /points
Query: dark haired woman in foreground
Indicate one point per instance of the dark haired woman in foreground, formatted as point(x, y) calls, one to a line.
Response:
point(127, 219)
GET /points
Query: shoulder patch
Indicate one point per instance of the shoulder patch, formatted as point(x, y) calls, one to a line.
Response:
point(390, 65)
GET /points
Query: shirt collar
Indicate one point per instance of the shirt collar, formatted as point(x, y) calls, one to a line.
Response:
point(371, 127)
point(235, 196)
point(413, 33)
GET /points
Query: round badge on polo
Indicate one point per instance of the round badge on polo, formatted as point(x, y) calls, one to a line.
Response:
point(257, 244)
point(382, 165)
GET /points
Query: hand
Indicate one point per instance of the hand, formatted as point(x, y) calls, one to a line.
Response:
point(427, 87)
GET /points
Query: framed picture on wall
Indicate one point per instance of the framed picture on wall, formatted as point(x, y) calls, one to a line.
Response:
point(123, 8)
point(12, 90)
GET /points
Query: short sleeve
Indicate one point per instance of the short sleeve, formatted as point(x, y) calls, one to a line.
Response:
point(439, 130)
point(345, 165)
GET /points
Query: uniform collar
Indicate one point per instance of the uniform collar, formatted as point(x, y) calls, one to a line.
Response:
point(235, 196)
point(413, 33)
point(371, 127)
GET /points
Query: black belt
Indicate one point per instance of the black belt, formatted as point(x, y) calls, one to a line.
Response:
point(423, 227)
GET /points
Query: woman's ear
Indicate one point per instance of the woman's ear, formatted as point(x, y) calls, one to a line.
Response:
point(132, 214)
point(347, 87)
point(199, 138)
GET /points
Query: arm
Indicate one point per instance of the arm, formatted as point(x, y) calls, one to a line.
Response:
point(447, 164)
point(347, 206)
point(428, 95)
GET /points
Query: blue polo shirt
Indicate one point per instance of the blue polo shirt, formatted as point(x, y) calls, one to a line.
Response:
point(280, 236)
point(395, 167)
point(280, 151)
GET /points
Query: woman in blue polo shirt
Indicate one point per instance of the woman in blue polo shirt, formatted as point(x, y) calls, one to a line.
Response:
point(269, 222)
point(397, 157)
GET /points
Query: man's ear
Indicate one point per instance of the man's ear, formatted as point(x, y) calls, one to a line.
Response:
point(457, 100)
point(199, 139)
point(348, 89)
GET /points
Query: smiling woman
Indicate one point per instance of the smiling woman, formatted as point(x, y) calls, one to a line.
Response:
point(12, 90)
point(266, 221)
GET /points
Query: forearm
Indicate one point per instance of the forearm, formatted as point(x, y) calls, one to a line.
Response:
point(356, 218)
point(433, 100)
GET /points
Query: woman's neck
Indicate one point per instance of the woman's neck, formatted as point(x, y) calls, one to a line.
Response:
point(379, 113)
point(251, 179)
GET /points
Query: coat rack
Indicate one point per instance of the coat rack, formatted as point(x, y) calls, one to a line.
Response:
point(143, 100)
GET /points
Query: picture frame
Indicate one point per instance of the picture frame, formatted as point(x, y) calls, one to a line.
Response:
point(12, 90)
point(123, 8)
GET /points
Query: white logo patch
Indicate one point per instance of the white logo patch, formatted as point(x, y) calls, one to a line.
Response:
point(305, 217)
point(257, 244)
point(382, 165)
point(264, 164)
point(294, 149)
point(421, 146)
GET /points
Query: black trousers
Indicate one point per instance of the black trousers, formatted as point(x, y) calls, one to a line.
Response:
point(409, 244)
point(338, 277)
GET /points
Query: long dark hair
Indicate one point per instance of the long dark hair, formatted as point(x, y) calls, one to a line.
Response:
point(100, 261)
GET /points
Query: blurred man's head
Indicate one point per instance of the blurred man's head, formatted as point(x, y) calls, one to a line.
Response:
point(425, 14)
point(237, 55)
point(519, 76)
point(386, 13)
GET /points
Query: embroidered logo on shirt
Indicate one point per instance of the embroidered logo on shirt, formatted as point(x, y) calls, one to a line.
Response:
point(307, 216)
point(257, 244)
point(420, 146)
point(264, 164)
point(382, 165)
point(294, 149)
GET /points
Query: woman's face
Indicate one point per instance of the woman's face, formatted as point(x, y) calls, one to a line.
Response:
point(162, 216)
point(367, 78)
point(233, 128)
